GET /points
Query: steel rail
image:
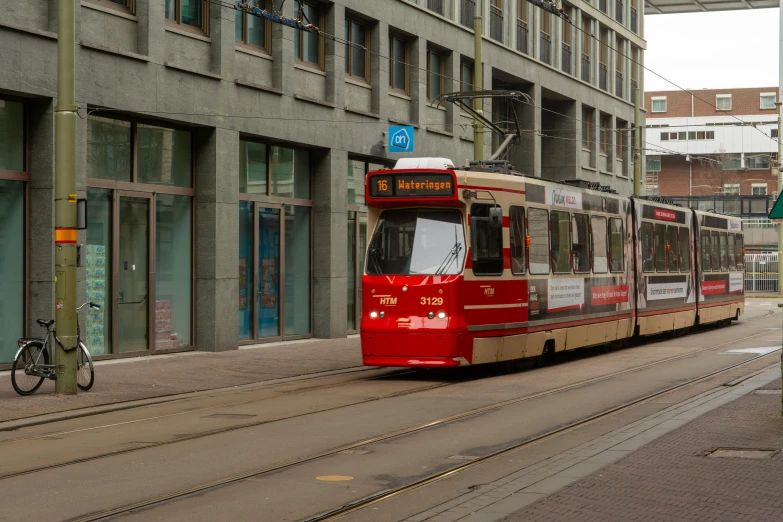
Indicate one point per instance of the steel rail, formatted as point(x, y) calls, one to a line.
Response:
point(200, 488)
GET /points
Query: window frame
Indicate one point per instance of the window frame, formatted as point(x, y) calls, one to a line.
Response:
point(732, 187)
point(568, 248)
point(593, 235)
point(466, 63)
point(610, 245)
point(658, 99)
point(731, 251)
point(498, 232)
point(177, 21)
point(648, 228)
point(393, 35)
point(764, 95)
point(605, 133)
point(299, 59)
point(129, 8)
point(243, 43)
point(714, 250)
point(545, 212)
point(587, 135)
point(350, 48)
point(514, 209)
point(672, 251)
point(739, 251)
point(685, 260)
point(706, 262)
point(718, 98)
point(660, 257)
point(723, 251)
point(442, 74)
point(755, 186)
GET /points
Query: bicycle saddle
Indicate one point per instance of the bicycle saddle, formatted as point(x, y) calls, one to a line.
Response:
point(45, 324)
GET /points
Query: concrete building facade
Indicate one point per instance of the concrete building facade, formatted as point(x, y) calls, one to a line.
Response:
point(720, 141)
point(223, 157)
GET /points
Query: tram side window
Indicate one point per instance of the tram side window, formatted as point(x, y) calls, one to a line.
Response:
point(648, 250)
point(600, 259)
point(660, 248)
point(580, 240)
point(559, 230)
point(488, 255)
point(738, 252)
point(538, 228)
point(724, 263)
point(715, 251)
point(517, 237)
point(673, 248)
point(616, 245)
point(685, 250)
point(732, 255)
point(705, 251)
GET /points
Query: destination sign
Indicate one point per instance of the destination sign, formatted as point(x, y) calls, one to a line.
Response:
point(417, 185)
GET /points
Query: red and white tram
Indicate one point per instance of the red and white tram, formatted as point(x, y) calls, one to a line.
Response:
point(469, 267)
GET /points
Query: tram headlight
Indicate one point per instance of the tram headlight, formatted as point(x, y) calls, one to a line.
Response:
point(373, 315)
point(431, 315)
point(382, 315)
point(441, 315)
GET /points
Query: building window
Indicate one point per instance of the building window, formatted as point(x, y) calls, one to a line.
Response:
point(164, 156)
point(253, 30)
point(768, 100)
point(759, 189)
point(12, 142)
point(466, 78)
point(659, 104)
point(774, 133)
point(621, 136)
point(357, 60)
point(545, 53)
point(606, 124)
point(121, 5)
point(436, 81)
point(653, 164)
point(399, 68)
point(723, 102)
point(436, 6)
point(189, 13)
point(731, 189)
point(734, 163)
point(757, 162)
point(587, 128)
point(587, 43)
point(309, 47)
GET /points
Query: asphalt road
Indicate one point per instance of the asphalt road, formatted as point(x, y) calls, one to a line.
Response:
point(294, 450)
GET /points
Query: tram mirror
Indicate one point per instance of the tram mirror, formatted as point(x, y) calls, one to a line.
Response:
point(495, 217)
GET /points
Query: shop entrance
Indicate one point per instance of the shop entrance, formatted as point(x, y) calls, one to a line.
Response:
point(133, 274)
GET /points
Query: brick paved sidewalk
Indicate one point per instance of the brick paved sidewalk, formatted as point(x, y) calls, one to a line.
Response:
point(671, 478)
point(157, 376)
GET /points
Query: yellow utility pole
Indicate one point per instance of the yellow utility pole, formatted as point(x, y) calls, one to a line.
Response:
point(478, 84)
point(637, 144)
point(65, 202)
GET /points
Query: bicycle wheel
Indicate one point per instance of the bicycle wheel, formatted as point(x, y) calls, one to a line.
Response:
point(32, 354)
point(84, 372)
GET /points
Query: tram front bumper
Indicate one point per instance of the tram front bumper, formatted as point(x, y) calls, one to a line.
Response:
point(425, 350)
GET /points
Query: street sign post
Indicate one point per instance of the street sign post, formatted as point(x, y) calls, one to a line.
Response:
point(401, 138)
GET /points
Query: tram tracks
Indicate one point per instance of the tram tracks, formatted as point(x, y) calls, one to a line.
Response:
point(276, 467)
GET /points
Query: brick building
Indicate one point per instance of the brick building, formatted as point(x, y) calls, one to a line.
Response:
point(717, 141)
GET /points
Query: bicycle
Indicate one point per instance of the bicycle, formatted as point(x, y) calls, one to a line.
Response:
point(31, 362)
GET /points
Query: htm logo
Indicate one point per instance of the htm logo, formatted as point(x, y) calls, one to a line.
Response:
point(489, 291)
point(392, 301)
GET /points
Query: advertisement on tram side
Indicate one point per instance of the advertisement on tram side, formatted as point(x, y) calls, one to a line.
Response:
point(571, 296)
point(720, 272)
point(664, 256)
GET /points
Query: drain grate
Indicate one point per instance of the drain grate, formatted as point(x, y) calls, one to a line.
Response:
point(229, 416)
point(743, 453)
point(768, 392)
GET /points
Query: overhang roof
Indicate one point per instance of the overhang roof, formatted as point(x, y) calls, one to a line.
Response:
point(700, 6)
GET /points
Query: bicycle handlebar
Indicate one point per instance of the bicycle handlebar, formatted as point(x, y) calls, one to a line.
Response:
point(91, 305)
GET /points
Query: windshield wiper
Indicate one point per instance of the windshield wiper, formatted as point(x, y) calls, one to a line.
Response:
point(451, 256)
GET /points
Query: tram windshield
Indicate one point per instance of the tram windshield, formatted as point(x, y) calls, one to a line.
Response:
point(417, 241)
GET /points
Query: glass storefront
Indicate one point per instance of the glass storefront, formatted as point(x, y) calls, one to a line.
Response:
point(12, 270)
point(12, 144)
point(144, 286)
point(275, 231)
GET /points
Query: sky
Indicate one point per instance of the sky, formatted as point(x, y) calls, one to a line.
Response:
point(712, 50)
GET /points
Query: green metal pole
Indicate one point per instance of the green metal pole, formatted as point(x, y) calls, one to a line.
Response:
point(65, 202)
point(637, 144)
point(780, 191)
point(478, 84)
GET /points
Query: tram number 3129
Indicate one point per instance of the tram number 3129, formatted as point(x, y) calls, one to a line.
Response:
point(432, 301)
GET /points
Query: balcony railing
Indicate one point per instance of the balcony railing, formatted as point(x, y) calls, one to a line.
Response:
point(565, 64)
point(634, 20)
point(618, 84)
point(546, 49)
point(522, 35)
point(603, 76)
point(602, 5)
point(585, 68)
point(618, 11)
point(496, 23)
point(467, 13)
point(436, 6)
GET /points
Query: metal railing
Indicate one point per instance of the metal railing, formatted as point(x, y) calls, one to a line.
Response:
point(634, 19)
point(618, 11)
point(467, 13)
point(522, 35)
point(602, 5)
point(618, 84)
point(757, 223)
point(565, 60)
point(496, 23)
point(546, 49)
point(436, 6)
point(761, 272)
point(585, 68)
point(603, 76)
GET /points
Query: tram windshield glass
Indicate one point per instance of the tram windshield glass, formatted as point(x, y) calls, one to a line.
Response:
point(411, 242)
